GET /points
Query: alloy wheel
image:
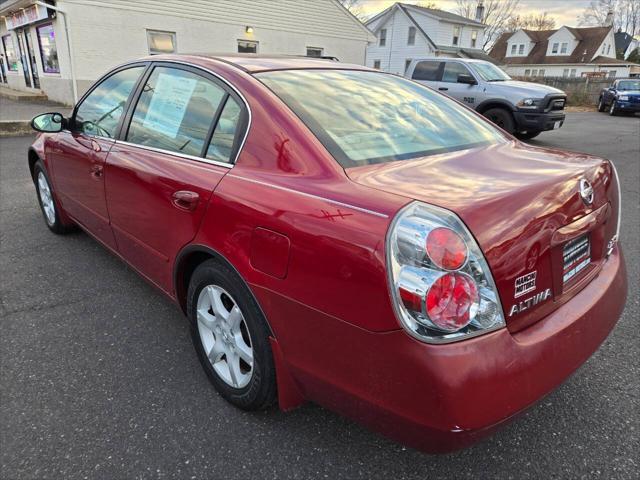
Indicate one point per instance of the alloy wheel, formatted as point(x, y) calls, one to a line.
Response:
point(46, 199)
point(224, 335)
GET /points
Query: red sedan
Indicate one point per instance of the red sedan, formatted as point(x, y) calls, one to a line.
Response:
point(345, 236)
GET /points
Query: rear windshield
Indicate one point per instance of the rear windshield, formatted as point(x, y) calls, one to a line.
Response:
point(370, 117)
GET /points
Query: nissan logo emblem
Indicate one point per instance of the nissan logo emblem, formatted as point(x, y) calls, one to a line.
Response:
point(586, 191)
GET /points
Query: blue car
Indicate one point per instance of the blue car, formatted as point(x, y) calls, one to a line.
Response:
point(622, 96)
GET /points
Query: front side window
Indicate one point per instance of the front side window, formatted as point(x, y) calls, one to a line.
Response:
point(456, 35)
point(161, 42)
point(411, 40)
point(10, 53)
point(247, 46)
point(371, 117)
point(563, 47)
point(427, 71)
point(452, 70)
point(383, 37)
point(100, 112)
point(314, 52)
point(175, 111)
point(48, 50)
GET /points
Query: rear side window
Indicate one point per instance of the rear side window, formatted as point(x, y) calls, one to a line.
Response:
point(100, 112)
point(175, 111)
point(452, 70)
point(426, 71)
point(223, 138)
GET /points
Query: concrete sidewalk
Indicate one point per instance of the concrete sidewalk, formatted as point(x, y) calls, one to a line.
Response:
point(15, 115)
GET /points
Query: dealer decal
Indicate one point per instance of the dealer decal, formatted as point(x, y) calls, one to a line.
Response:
point(530, 302)
point(525, 284)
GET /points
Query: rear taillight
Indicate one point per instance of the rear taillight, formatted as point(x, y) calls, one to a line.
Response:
point(441, 286)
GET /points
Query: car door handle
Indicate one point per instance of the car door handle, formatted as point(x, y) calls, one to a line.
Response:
point(443, 88)
point(185, 200)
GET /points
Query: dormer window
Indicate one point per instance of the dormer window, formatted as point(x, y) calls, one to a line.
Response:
point(554, 49)
point(521, 49)
point(456, 35)
point(383, 37)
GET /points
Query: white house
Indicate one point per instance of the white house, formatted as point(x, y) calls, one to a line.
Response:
point(60, 47)
point(405, 32)
point(565, 52)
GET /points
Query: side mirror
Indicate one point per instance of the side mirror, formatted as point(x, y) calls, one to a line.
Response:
point(466, 78)
point(48, 122)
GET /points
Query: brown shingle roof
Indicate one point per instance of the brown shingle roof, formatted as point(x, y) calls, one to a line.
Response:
point(589, 40)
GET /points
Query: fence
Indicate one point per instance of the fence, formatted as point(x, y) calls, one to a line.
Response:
point(579, 90)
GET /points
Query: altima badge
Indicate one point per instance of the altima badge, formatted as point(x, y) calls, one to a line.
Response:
point(586, 191)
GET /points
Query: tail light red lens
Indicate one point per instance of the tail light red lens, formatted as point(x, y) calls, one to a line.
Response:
point(446, 248)
point(452, 301)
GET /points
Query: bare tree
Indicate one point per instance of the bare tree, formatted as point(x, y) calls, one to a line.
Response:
point(626, 14)
point(497, 14)
point(355, 7)
point(533, 21)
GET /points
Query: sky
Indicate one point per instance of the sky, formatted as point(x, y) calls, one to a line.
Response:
point(565, 12)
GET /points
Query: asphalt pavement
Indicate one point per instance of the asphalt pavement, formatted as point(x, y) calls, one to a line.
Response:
point(98, 377)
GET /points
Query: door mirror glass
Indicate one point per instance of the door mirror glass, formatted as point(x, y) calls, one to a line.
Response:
point(48, 122)
point(466, 78)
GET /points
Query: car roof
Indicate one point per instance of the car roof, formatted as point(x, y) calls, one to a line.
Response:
point(254, 63)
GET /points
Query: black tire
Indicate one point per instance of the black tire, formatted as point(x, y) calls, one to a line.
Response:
point(601, 105)
point(55, 224)
point(501, 118)
point(612, 108)
point(260, 392)
point(528, 135)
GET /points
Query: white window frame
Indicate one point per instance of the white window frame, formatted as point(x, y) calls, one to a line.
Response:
point(411, 36)
point(174, 41)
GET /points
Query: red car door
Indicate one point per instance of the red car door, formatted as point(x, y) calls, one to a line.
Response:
point(180, 141)
point(79, 154)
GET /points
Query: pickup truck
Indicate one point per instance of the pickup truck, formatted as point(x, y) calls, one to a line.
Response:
point(521, 108)
point(623, 96)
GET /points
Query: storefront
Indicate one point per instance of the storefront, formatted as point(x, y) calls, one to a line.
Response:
point(60, 47)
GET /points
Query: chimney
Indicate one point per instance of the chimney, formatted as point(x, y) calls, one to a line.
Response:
point(608, 22)
point(480, 11)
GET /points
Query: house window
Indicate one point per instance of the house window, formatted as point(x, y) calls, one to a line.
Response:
point(541, 72)
point(534, 72)
point(573, 73)
point(513, 49)
point(521, 49)
point(456, 35)
point(383, 37)
point(527, 72)
point(314, 52)
point(554, 48)
point(407, 62)
point(161, 42)
point(247, 46)
point(474, 38)
point(376, 64)
point(411, 40)
point(563, 47)
point(565, 72)
point(612, 73)
point(48, 50)
point(10, 53)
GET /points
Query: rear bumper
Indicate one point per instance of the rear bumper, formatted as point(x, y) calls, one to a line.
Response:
point(531, 121)
point(440, 398)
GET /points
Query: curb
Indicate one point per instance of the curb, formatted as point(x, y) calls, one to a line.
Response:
point(15, 128)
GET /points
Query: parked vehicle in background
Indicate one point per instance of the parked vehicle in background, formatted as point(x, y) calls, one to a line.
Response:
point(521, 108)
point(374, 246)
point(623, 96)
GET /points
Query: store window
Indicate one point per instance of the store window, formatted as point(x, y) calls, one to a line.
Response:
point(48, 50)
point(247, 46)
point(314, 52)
point(161, 42)
point(10, 53)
